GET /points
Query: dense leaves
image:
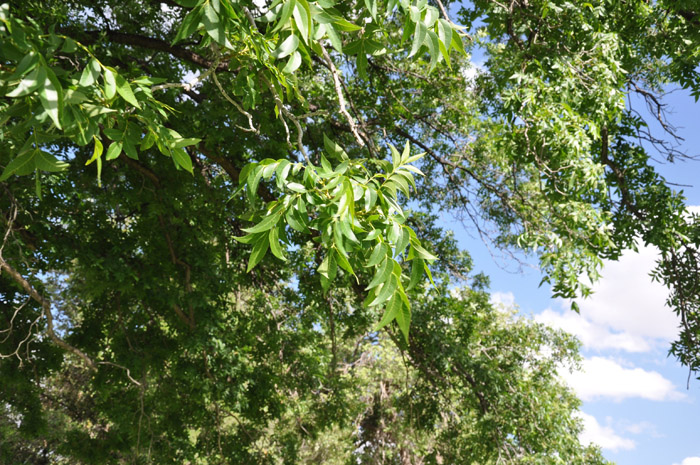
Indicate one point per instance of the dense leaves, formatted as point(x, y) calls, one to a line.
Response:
point(218, 233)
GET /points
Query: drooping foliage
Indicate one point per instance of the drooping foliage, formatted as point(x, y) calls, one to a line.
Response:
point(209, 252)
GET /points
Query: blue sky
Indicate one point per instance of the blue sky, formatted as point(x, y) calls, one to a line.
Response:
point(636, 404)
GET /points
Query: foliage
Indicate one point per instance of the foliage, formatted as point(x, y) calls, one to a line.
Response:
point(153, 153)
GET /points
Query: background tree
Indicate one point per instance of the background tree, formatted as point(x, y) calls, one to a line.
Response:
point(144, 319)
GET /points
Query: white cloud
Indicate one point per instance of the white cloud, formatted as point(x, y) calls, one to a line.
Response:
point(627, 310)
point(690, 461)
point(592, 335)
point(643, 427)
point(603, 436)
point(505, 299)
point(626, 299)
point(605, 378)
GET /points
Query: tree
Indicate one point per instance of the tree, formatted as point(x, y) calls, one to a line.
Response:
point(144, 318)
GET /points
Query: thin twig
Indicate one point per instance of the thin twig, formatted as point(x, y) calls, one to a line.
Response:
point(284, 112)
point(341, 97)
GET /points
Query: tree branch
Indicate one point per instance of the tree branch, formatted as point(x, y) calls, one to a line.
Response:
point(46, 306)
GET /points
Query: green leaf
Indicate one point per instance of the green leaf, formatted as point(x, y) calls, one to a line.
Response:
point(293, 219)
point(27, 64)
point(445, 33)
point(268, 222)
point(51, 97)
point(189, 25)
point(282, 172)
point(247, 239)
point(418, 38)
point(285, 14)
point(457, 43)
point(296, 187)
point(382, 274)
point(344, 263)
point(386, 291)
point(30, 83)
point(434, 47)
point(212, 24)
point(293, 63)
point(21, 166)
point(302, 19)
point(90, 73)
point(334, 38)
point(125, 91)
point(402, 242)
point(114, 150)
point(346, 229)
point(417, 250)
point(345, 25)
point(417, 266)
point(372, 8)
point(403, 318)
point(334, 150)
point(97, 152)
point(275, 244)
point(259, 251)
point(110, 84)
point(183, 160)
point(46, 162)
point(328, 267)
point(392, 309)
point(378, 254)
point(130, 149)
point(181, 143)
point(289, 45)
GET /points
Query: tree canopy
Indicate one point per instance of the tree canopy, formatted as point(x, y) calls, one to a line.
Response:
point(220, 241)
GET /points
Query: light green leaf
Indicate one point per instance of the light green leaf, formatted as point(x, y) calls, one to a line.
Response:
point(125, 91)
point(286, 48)
point(386, 291)
point(334, 38)
point(378, 254)
point(97, 152)
point(402, 242)
point(114, 150)
point(418, 38)
point(47, 162)
point(259, 251)
point(403, 318)
point(302, 19)
point(30, 83)
point(434, 48)
point(392, 309)
point(110, 84)
point(382, 274)
point(293, 219)
point(372, 8)
point(90, 73)
point(182, 159)
point(418, 251)
point(181, 143)
point(268, 222)
point(212, 24)
point(296, 187)
point(275, 244)
point(284, 15)
point(51, 97)
point(345, 25)
point(416, 272)
point(293, 63)
point(27, 64)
